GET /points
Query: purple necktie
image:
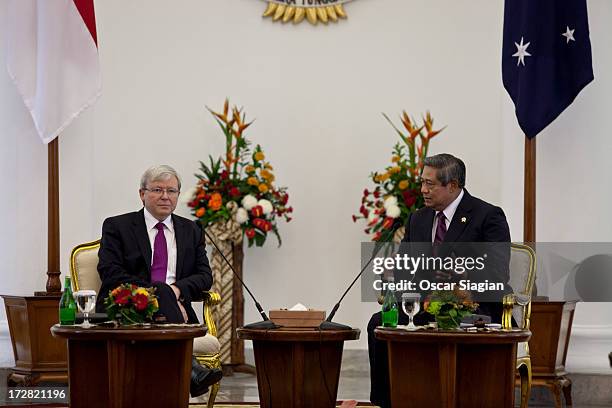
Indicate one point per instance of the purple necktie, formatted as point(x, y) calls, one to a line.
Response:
point(160, 256)
point(440, 231)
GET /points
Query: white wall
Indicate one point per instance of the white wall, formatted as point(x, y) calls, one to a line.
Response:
point(317, 94)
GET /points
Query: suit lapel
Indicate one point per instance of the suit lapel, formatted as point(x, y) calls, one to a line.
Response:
point(461, 218)
point(179, 232)
point(423, 233)
point(142, 238)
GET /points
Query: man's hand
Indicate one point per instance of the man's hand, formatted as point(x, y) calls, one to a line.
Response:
point(183, 311)
point(177, 293)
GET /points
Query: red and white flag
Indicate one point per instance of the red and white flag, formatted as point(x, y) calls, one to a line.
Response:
point(52, 56)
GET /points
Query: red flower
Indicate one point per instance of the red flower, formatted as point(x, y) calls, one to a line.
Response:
point(141, 301)
point(376, 193)
point(285, 199)
point(267, 226)
point(123, 297)
point(366, 192)
point(259, 223)
point(388, 223)
point(257, 211)
point(354, 219)
point(250, 233)
point(376, 236)
point(224, 174)
point(234, 192)
point(409, 198)
point(363, 210)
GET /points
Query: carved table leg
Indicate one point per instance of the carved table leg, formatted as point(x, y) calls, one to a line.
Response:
point(567, 391)
point(555, 387)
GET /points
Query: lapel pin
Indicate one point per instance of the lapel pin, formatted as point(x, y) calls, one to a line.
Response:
point(463, 220)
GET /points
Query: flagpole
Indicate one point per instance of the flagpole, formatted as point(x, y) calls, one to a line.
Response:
point(53, 233)
point(53, 285)
point(529, 194)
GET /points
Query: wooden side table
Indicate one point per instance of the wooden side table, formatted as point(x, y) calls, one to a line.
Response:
point(129, 367)
point(551, 327)
point(451, 369)
point(38, 355)
point(298, 368)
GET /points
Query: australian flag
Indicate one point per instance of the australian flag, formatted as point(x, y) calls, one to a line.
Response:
point(546, 58)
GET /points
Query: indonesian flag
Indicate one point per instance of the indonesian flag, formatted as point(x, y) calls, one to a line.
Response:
point(52, 56)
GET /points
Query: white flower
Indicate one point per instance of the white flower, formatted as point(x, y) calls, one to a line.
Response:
point(249, 202)
point(372, 217)
point(241, 216)
point(189, 195)
point(393, 211)
point(266, 205)
point(390, 201)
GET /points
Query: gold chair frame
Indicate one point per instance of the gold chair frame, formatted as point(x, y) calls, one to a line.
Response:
point(523, 363)
point(210, 300)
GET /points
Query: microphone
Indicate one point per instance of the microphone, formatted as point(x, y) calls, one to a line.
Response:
point(266, 324)
point(327, 324)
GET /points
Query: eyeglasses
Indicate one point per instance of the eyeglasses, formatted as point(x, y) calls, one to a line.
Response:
point(172, 192)
point(429, 184)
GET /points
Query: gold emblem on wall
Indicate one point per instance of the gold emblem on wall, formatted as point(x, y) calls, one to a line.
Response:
point(314, 11)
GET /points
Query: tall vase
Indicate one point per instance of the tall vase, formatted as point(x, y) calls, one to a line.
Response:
point(229, 314)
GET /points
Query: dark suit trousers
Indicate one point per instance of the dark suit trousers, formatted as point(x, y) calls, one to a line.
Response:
point(168, 305)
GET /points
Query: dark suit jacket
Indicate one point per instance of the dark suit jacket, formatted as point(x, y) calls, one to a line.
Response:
point(125, 257)
point(483, 223)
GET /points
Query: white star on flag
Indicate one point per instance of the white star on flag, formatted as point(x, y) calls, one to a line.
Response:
point(569, 34)
point(521, 52)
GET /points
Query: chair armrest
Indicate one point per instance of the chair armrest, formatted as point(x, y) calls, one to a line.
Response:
point(508, 305)
point(211, 299)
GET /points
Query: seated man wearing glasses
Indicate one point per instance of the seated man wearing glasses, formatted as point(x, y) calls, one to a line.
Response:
point(154, 247)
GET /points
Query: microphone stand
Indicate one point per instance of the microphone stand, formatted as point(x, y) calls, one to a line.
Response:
point(327, 324)
point(266, 323)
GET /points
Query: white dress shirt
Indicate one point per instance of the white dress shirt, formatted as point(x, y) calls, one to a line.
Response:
point(449, 212)
point(151, 222)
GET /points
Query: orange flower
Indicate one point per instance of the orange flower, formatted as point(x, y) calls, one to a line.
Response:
point(267, 175)
point(259, 156)
point(252, 181)
point(249, 169)
point(403, 184)
point(200, 212)
point(263, 188)
point(216, 201)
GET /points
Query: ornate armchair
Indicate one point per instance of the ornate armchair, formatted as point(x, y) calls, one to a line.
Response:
point(84, 274)
point(518, 305)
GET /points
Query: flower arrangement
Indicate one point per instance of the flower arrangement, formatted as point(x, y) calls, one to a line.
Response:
point(449, 307)
point(397, 191)
point(131, 304)
point(239, 186)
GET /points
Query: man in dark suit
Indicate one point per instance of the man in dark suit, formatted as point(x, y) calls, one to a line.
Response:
point(450, 215)
point(154, 247)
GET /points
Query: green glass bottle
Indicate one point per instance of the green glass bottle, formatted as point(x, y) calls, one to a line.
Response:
point(389, 307)
point(67, 305)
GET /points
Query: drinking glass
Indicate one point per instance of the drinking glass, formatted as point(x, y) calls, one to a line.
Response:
point(411, 304)
point(86, 302)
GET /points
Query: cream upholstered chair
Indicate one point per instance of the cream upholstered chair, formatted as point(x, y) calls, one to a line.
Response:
point(84, 274)
point(518, 305)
